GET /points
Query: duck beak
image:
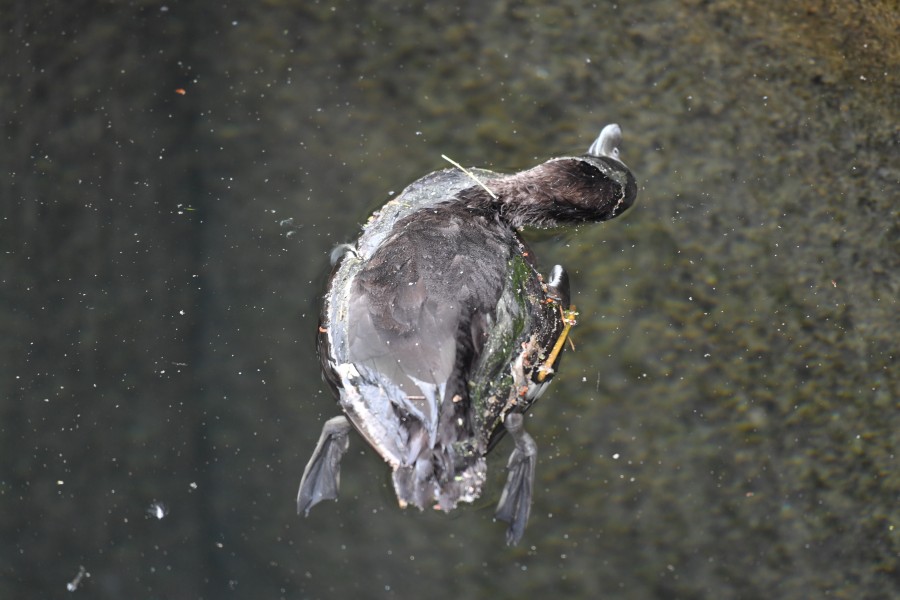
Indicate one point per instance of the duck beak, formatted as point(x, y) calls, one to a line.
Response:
point(608, 142)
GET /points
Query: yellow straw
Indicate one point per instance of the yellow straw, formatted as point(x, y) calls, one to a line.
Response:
point(469, 173)
point(568, 317)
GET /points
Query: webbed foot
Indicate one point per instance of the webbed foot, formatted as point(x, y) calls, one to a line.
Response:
point(515, 501)
point(322, 476)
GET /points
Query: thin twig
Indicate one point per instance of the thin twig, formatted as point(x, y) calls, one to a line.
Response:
point(470, 174)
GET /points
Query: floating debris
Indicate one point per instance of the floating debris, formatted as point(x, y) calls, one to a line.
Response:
point(291, 227)
point(158, 510)
point(73, 585)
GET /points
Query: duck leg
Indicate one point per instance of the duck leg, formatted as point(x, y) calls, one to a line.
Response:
point(515, 501)
point(322, 475)
point(559, 285)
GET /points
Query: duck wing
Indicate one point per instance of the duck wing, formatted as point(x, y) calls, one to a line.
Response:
point(420, 299)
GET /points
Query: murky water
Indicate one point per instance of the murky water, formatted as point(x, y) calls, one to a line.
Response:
point(726, 426)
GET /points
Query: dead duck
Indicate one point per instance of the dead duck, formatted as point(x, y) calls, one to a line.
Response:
point(437, 332)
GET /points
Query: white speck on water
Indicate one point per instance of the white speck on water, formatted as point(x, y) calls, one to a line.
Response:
point(73, 585)
point(158, 510)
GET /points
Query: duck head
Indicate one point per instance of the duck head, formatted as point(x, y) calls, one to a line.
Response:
point(596, 186)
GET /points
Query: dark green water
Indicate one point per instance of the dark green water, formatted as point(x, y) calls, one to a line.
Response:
point(727, 427)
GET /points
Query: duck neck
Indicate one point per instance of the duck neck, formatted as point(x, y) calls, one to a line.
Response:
point(558, 192)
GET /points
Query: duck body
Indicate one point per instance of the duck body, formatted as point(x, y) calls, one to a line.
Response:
point(437, 332)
